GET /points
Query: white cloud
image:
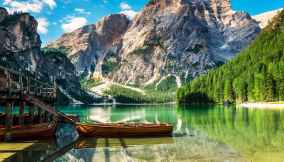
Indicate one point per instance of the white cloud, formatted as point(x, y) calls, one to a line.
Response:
point(127, 10)
point(35, 6)
point(7, 2)
point(125, 6)
point(73, 23)
point(42, 25)
point(129, 13)
point(29, 5)
point(50, 3)
point(82, 11)
point(79, 10)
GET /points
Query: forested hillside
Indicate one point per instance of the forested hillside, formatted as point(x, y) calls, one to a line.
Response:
point(256, 74)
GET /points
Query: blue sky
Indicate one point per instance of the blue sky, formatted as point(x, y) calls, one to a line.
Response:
point(58, 16)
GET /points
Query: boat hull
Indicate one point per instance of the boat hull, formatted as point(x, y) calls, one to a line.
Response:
point(37, 131)
point(124, 130)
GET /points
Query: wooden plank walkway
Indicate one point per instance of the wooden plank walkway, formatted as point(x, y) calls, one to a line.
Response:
point(5, 156)
point(8, 150)
point(14, 147)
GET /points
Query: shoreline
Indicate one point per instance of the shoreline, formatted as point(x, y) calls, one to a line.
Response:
point(128, 104)
point(263, 105)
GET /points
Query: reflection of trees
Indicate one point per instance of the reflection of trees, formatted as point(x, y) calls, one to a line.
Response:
point(247, 130)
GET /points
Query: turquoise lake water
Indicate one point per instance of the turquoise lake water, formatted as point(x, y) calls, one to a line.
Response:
point(201, 134)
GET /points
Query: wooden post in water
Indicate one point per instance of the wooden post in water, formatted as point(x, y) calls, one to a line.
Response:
point(21, 113)
point(8, 121)
point(40, 115)
point(8, 83)
point(46, 116)
point(31, 113)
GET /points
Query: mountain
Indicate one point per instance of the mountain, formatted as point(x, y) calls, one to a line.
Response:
point(266, 17)
point(168, 39)
point(20, 50)
point(256, 74)
point(88, 46)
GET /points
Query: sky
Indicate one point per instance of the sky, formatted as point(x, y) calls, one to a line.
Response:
point(56, 17)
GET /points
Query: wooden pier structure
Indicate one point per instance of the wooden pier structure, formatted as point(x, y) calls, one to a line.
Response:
point(26, 92)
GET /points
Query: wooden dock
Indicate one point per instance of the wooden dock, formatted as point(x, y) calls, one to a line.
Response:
point(10, 150)
point(25, 91)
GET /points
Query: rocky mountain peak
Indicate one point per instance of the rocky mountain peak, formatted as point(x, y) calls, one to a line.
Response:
point(111, 27)
point(221, 6)
point(265, 18)
point(18, 34)
point(182, 38)
point(89, 44)
point(168, 38)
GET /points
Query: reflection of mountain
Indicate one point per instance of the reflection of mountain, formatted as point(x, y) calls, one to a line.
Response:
point(214, 134)
point(100, 115)
point(198, 148)
point(124, 114)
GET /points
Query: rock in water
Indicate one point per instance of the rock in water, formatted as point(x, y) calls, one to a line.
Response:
point(66, 134)
point(181, 38)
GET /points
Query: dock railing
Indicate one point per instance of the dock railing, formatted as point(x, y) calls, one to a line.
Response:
point(17, 84)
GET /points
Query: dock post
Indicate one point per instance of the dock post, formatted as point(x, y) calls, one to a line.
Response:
point(45, 116)
point(8, 121)
point(21, 113)
point(40, 114)
point(31, 113)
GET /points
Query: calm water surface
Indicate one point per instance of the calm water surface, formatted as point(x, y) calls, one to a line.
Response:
point(206, 134)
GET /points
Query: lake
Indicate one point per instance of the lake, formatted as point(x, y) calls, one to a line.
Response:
point(202, 134)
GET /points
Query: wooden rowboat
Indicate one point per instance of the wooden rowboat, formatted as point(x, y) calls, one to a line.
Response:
point(124, 130)
point(31, 132)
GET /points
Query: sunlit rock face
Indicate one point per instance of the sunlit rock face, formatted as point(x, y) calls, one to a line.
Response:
point(88, 46)
point(182, 38)
point(264, 18)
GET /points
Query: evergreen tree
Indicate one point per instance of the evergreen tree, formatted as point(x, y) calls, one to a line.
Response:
point(256, 74)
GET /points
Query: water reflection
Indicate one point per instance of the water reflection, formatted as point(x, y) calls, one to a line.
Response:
point(202, 134)
point(256, 134)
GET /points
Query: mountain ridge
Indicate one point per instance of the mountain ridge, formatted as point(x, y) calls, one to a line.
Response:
point(178, 38)
point(266, 17)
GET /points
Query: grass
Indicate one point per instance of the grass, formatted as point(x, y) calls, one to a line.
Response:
point(127, 95)
point(88, 84)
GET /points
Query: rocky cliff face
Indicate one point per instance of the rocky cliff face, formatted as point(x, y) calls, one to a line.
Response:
point(20, 49)
point(88, 46)
point(19, 43)
point(264, 18)
point(180, 38)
